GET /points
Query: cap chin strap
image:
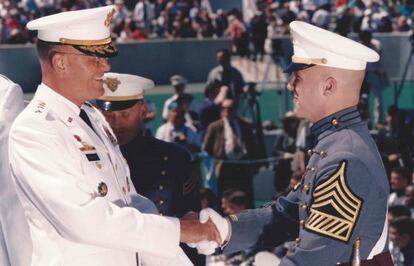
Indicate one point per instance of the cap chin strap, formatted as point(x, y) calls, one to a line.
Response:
point(309, 61)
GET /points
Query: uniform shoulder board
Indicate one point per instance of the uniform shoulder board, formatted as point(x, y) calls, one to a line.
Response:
point(40, 107)
point(335, 208)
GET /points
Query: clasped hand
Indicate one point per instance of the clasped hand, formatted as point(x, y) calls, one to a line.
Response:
point(212, 231)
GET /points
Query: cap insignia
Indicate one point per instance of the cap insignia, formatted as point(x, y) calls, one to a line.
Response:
point(108, 18)
point(112, 83)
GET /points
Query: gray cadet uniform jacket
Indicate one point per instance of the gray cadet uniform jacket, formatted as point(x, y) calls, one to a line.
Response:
point(342, 196)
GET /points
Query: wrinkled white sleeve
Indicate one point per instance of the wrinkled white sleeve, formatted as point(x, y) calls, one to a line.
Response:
point(50, 178)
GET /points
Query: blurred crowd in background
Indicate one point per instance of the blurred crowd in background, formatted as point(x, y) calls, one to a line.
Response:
point(178, 19)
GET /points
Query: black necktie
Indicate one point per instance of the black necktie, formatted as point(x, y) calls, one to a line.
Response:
point(85, 118)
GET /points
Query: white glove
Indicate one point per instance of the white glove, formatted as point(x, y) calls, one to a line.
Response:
point(221, 223)
point(204, 247)
point(208, 247)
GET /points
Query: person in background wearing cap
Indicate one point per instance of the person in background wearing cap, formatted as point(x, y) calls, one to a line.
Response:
point(160, 170)
point(15, 241)
point(343, 195)
point(179, 83)
point(70, 176)
point(175, 130)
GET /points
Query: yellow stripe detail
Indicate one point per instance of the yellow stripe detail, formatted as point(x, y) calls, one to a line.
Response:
point(309, 61)
point(122, 98)
point(85, 42)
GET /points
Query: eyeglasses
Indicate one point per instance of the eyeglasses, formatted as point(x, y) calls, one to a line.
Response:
point(98, 60)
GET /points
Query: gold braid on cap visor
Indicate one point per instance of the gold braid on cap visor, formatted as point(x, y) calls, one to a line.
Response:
point(85, 42)
point(122, 98)
point(309, 61)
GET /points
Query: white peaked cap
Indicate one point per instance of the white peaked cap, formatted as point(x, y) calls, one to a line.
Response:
point(315, 46)
point(79, 27)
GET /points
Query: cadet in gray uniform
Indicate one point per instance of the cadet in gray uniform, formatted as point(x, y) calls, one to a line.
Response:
point(343, 194)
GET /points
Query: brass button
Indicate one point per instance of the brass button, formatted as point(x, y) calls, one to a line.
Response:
point(161, 187)
point(323, 154)
point(297, 186)
point(297, 241)
point(161, 202)
point(304, 206)
point(335, 122)
point(306, 188)
point(162, 172)
point(102, 189)
point(310, 152)
point(302, 223)
point(165, 158)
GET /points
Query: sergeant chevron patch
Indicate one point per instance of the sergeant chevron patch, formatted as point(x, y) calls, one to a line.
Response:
point(335, 208)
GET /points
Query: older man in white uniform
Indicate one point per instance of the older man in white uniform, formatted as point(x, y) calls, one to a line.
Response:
point(70, 176)
point(15, 242)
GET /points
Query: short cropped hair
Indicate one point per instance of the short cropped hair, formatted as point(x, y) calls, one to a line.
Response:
point(44, 49)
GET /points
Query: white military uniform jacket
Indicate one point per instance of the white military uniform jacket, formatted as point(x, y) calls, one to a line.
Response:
point(76, 190)
point(15, 242)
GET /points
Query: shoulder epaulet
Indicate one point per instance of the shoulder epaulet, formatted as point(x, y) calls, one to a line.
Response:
point(40, 108)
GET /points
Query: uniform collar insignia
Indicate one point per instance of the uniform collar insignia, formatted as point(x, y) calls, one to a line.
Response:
point(335, 122)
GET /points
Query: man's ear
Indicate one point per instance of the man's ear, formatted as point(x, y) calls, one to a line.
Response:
point(144, 109)
point(330, 86)
point(58, 62)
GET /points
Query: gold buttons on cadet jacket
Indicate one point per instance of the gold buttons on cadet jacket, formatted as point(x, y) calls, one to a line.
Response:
point(297, 241)
point(322, 154)
point(335, 122)
point(161, 202)
point(302, 223)
point(102, 189)
point(163, 173)
point(165, 158)
point(311, 169)
point(161, 187)
point(306, 188)
point(304, 206)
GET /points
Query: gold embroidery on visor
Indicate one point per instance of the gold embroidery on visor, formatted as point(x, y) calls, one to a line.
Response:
point(85, 42)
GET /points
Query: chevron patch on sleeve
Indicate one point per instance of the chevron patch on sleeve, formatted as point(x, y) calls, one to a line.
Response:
point(335, 208)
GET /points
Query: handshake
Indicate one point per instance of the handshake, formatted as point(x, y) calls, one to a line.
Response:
point(205, 232)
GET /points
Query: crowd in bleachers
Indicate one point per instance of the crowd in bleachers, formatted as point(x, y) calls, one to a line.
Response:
point(176, 19)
